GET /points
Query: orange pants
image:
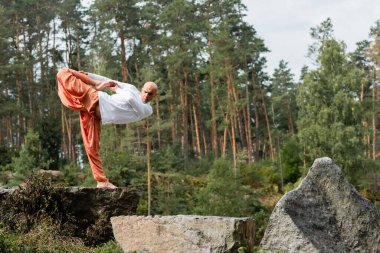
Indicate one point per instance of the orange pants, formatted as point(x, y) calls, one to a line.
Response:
point(77, 95)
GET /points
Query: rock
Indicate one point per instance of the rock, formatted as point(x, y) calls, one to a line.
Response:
point(92, 204)
point(201, 234)
point(91, 208)
point(53, 175)
point(323, 214)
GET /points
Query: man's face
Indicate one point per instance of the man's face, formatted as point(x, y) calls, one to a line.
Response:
point(148, 92)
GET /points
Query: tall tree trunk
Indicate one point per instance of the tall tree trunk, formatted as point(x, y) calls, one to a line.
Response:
point(197, 115)
point(124, 69)
point(67, 131)
point(204, 143)
point(2, 122)
point(18, 82)
point(31, 84)
point(183, 96)
point(158, 118)
point(139, 139)
point(148, 165)
point(248, 118)
point(10, 132)
point(233, 138)
point(174, 124)
point(231, 99)
point(193, 137)
point(271, 150)
point(64, 136)
point(373, 117)
point(290, 119)
point(256, 113)
point(225, 132)
point(198, 140)
point(54, 51)
point(66, 30)
point(173, 114)
point(40, 54)
point(237, 113)
point(78, 51)
point(214, 137)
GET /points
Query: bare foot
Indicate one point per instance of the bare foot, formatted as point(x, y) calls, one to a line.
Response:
point(106, 184)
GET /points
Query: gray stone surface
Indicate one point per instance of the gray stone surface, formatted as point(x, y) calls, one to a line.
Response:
point(324, 214)
point(93, 204)
point(195, 234)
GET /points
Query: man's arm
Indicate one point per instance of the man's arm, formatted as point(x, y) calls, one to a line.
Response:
point(84, 77)
point(99, 82)
point(143, 110)
point(97, 77)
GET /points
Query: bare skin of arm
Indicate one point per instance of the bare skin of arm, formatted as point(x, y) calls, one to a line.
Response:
point(98, 85)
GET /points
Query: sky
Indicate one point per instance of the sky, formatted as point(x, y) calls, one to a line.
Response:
point(284, 25)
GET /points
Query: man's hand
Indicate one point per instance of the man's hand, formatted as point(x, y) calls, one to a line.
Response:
point(107, 84)
point(83, 72)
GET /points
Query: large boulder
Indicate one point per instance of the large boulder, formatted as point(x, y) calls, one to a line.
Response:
point(91, 204)
point(90, 208)
point(183, 234)
point(323, 214)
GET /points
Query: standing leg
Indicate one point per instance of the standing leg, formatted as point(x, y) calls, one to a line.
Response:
point(90, 128)
point(77, 95)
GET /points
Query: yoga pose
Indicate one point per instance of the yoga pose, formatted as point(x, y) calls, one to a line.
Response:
point(82, 92)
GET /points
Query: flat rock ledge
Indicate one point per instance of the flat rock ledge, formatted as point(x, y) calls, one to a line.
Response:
point(324, 214)
point(94, 207)
point(182, 233)
point(91, 204)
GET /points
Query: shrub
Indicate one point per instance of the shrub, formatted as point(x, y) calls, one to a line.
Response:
point(32, 202)
point(46, 238)
point(38, 207)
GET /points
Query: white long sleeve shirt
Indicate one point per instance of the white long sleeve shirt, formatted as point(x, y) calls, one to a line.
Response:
point(124, 106)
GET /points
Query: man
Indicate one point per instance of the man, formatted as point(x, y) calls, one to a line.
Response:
point(82, 91)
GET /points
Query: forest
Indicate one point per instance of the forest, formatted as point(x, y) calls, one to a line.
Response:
point(225, 138)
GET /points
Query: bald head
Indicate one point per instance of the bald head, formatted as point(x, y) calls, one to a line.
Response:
point(148, 92)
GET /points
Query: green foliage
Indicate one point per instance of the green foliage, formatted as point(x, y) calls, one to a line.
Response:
point(367, 180)
point(35, 218)
point(121, 161)
point(109, 247)
point(283, 93)
point(330, 113)
point(50, 137)
point(174, 194)
point(164, 42)
point(261, 219)
point(225, 195)
point(73, 174)
point(169, 159)
point(291, 161)
point(6, 154)
point(36, 200)
point(47, 238)
point(269, 251)
point(260, 174)
point(30, 160)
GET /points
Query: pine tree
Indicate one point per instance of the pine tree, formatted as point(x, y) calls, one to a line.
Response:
point(330, 112)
